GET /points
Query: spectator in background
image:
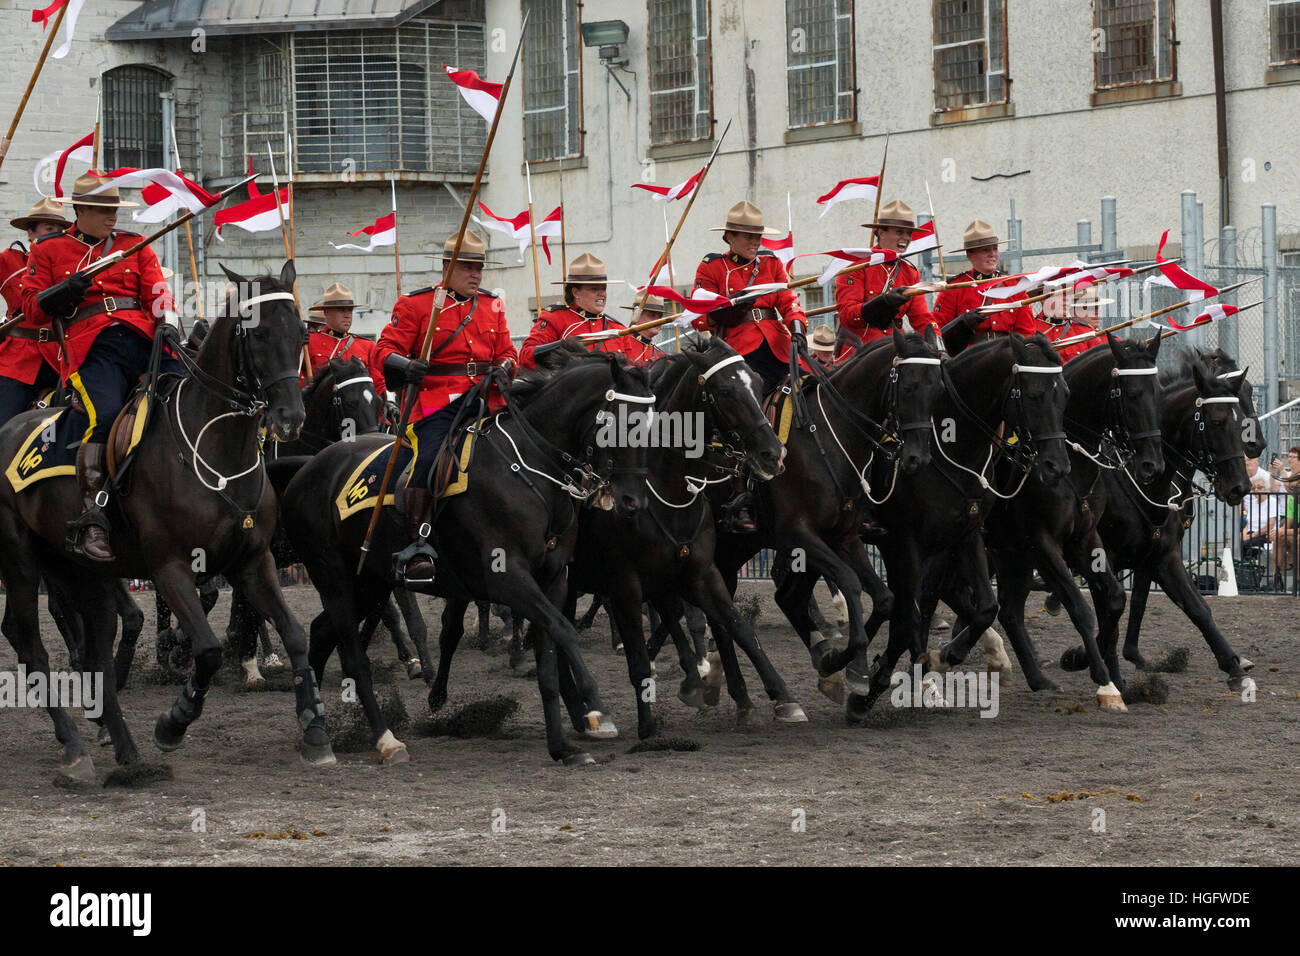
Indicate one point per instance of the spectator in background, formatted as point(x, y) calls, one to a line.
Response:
point(1260, 517)
point(1286, 536)
point(1255, 470)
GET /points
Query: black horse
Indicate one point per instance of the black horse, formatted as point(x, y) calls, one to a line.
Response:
point(197, 492)
point(1202, 423)
point(664, 552)
point(857, 443)
point(1112, 421)
point(506, 538)
point(1004, 401)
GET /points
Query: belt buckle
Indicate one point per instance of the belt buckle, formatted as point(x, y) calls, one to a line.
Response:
point(756, 314)
point(471, 369)
point(43, 335)
point(110, 305)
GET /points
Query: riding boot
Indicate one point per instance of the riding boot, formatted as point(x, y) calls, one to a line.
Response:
point(91, 527)
point(736, 516)
point(419, 556)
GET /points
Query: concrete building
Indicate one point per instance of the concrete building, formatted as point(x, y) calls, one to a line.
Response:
point(1050, 103)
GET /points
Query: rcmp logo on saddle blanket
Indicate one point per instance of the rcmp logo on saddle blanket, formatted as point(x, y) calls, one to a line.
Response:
point(451, 475)
point(45, 452)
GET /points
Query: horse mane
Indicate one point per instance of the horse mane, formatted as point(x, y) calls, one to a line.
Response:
point(1216, 362)
point(1128, 348)
point(526, 388)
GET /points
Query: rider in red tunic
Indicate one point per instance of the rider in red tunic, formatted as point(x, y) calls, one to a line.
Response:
point(24, 374)
point(329, 322)
point(640, 349)
point(868, 302)
point(470, 336)
point(1084, 319)
point(761, 329)
point(980, 243)
point(108, 324)
point(582, 313)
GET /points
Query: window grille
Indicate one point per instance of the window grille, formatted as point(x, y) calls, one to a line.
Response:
point(819, 61)
point(681, 97)
point(970, 66)
point(133, 118)
point(1133, 42)
point(552, 80)
point(1284, 32)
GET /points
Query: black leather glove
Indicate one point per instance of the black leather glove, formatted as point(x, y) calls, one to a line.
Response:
point(799, 331)
point(973, 319)
point(61, 300)
point(391, 412)
point(730, 317)
point(400, 370)
point(879, 313)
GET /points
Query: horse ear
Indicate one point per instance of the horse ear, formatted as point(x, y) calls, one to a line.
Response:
point(1153, 346)
point(1114, 346)
point(1239, 381)
point(1199, 375)
point(288, 275)
point(900, 340)
point(1018, 350)
point(931, 337)
point(234, 277)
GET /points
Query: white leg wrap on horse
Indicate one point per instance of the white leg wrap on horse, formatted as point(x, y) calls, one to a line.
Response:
point(1109, 698)
point(388, 745)
point(815, 638)
point(251, 674)
point(990, 643)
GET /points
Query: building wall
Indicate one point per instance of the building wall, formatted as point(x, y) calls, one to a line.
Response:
point(1144, 154)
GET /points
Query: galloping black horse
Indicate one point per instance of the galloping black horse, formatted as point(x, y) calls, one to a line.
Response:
point(197, 487)
point(1003, 399)
point(1202, 423)
point(664, 553)
point(1112, 420)
point(845, 452)
point(506, 538)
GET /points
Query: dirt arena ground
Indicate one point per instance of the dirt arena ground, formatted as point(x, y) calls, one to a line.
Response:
point(1203, 778)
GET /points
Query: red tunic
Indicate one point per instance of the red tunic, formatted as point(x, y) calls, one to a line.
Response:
point(953, 302)
point(1065, 330)
point(20, 359)
point(485, 339)
point(563, 322)
point(323, 344)
point(641, 352)
point(138, 276)
point(852, 290)
point(726, 274)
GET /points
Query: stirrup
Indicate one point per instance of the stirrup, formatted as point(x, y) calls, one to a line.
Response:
point(416, 549)
point(93, 517)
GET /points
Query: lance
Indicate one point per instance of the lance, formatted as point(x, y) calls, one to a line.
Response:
point(532, 233)
point(108, 261)
point(94, 140)
point(288, 253)
point(880, 182)
point(1062, 280)
point(439, 297)
point(921, 288)
point(1280, 408)
point(1087, 336)
point(564, 214)
point(397, 256)
point(677, 334)
point(1196, 325)
point(189, 242)
point(31, 84)
point(938, 246)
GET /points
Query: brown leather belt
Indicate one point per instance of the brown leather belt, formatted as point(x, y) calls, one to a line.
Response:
point(988, 336)
point(107, 306)
point(470, 369)
point(35, 335)
point(758, 315)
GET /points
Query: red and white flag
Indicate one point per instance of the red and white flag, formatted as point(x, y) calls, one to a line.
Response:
point(841, 259)
point(83, 150)
point(1176, 278)
point(669, 193)
point(258, 213)
point(863, 188)
point(162, 190)
point(382, 232)
point(700, 302)
point(1213, 314)
point(1091, 274)
point(923, 239)
point(1027, 281)
point(483, 97)
point(517, 228)
point(43, 17)
point(783, 249)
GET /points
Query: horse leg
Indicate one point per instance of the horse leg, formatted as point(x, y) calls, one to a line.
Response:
point(258, 580)
point(548, 684)
point(1137, 609)
point(132, 624)
point(69, 626)
point(484, 624)
point(624, 606)
point(1015, 581)
point(417, 629)
point(320, 645)
point(355, 663)
point(882, 599)
point(241, 635)
point(1178, 584)
point(391, 615)
point(694, 665)
point(453, 627)
point(98, 612)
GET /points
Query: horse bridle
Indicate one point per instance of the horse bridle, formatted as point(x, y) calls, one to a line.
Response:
point(736, 442)
point(1021, 448)
point(1205, 460)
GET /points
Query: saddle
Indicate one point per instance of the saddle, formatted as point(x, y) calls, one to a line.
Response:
point(780, 410)
point(451, 467)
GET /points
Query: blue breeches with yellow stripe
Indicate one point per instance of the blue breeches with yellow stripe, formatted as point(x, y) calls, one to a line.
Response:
point(115, 362)
point(16, 397)
point(426, 437)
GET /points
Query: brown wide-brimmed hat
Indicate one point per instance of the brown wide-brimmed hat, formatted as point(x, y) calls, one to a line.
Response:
point(1088, 296)
point(895, 214)
point(979, 235)
point(108, 198)
point(47, 210)
point(472, 251)
point(586, 270)
point(654, 305)
point(823, 337)
point(337, 296)
point(744, 216)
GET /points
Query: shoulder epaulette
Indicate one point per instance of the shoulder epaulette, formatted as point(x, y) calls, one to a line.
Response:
point(53, 235)
point(126, 232)
point(557, 307)
point(418, 292)
point(764, 251)
point(713, 255)
point(485, 292)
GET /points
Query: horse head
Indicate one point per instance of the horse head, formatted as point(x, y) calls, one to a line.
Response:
point(1221, 364)
point(916, 382)
point(1035, 408)
point(1133, 403)
point(262, 335)
point(354, 400)
point(1213, 429)
point(731, 392)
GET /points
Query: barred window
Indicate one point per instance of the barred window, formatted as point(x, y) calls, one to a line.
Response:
point(1133, 42)
point(133, 117)
point(1284, 32)
point(552, 79)
point(357, 101)
point(819, 61)
point(681, 96)
point(970, 63)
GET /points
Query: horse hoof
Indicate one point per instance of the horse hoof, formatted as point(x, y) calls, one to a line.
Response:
point(104, 738)
point(691, 696)
point(712, 695)
point(1109, 698)
point(391, 749)
point(833, 687)
point(524, 670)
point(316, 755)
point(856, 708)
point(1075, 659)
point(80, 770)
point(744, 717)
point(579, 758)
point(789, 712)
point(1246, 663)
point(1043, 683)
point(856, 681)
point(273, 662)
point(599, 726)
point(164, 736)
point(703, 667)
point(1240, 683)
point(414, 669)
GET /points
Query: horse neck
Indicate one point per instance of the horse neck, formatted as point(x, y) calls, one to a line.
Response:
point(1175, 425)
point(1086, 383)
point(563, 411)
point(982, 389)
point(865, 379)
point(319, 419)
point(199, 405)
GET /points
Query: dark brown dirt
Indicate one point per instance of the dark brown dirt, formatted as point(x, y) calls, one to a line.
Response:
point(1203, 778)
